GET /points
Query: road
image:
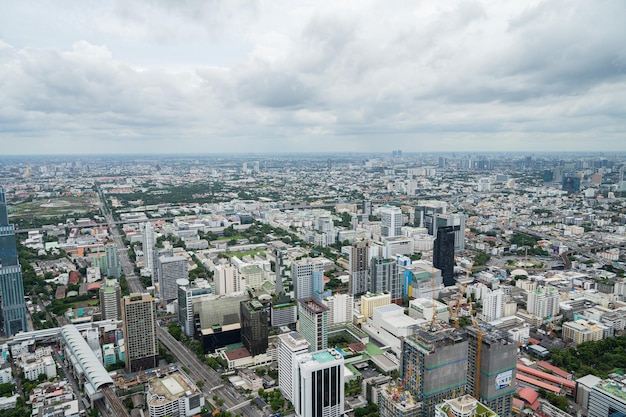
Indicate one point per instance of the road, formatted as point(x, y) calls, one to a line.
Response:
point(198, 370)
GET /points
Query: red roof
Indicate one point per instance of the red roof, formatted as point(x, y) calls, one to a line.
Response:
point(93, 286)
point(529, 395)
point(537, 383)
point(560, 372)
point(546, 376)
point(73, 277)
point(237, 354)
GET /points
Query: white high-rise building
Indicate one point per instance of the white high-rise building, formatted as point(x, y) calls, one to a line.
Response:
point(339, 308)
point(227, 280)
point(543, 302)
point(319, 390)
point(291, 345)
point(147, 234)
point(302, 276)
point(171, 269)
point(493, 305)
point(391, 221)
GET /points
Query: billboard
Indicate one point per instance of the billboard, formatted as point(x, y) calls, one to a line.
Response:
point(504, 379)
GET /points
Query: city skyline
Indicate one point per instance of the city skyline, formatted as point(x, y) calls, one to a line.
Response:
point(222, 77)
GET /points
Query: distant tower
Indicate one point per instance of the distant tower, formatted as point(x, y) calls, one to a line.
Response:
point(359, 268)
point(114, 269)
point(148, 248)
point(13, 311)
point(443, 254)
point(391, 221)
point(313, 322)
point(140, 338)
point(185, 308)
point(254, 326)
point(385, 277)
point(279, 272)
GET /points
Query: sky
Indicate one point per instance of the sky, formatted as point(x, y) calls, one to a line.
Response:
point(230, 76)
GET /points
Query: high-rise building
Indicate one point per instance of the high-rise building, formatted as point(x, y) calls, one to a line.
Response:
point(339, 308)
point(607, 399)
point(284, 312)
point(385, 277)
point(391, 221)
point(425, 213)
point(139, 329)
point(227, 280)
point(457, 221)
point(156, 254)
point(571, 185)
point(493, 305)
point(254, 326)
point(279, 271)
point(543, 302)
point(359, 268)
point(492, 379)
point(171, 269)
point(110, 301)
point(370, 301)
point(114, 269)
point(443, 254)
point(320, 384)
point(313, 319)
point(13, 311)
point(436, 365)
point(147, 246)
point(290, 346)
point(302, 276)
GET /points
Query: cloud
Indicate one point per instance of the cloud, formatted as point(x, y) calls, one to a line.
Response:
point(460, 75)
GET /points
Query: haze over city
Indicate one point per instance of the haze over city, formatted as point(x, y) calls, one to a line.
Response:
point(245, 76)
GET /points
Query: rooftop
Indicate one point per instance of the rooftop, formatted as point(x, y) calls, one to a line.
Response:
point(170, 388)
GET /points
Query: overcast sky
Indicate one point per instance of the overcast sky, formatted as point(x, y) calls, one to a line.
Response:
point(205, 76)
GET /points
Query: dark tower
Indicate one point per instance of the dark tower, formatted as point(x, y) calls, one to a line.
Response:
point(254, 326)
point(443, 254)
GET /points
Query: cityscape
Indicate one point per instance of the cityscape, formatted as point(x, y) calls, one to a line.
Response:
point(330, 208)
point(394, 285)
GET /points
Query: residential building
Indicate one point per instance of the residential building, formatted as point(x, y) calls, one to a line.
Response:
point(147, 247)
point(313, 321)
point(227, 280)
point(171, 269)
point(284, 312)
point(302, 276)
point(110, 301)
point(174, 395)
point(384, 276)
point(581, 331)
point(114, 268)
point(543, 302)
point(369, 301)
point(493, 305)
point(139, 329)
point(359, 268)
point(13, 307)
point(339, 308)
point(392, 221)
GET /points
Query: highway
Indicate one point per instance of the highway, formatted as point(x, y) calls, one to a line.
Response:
point(199, 371)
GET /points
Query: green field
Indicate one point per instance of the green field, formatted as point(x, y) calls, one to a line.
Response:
point(50, 210)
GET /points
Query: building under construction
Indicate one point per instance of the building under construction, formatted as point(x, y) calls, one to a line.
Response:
point(395, 401)
point(491, 369)
point(434, 365)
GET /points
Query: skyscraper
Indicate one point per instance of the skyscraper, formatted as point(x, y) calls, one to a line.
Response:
point(147, 246)
point(171, 269)
point(543, 302)
point(425, 213)
point(254, 326)
point(443, 254)
point(359, 268)
point(385, 277)
point(110, 301)
point(492, 379)
point(493, 305)
point(114, 269)
point(320, 384)
point(391, 221)
point(139, 328)
point(313, 318)
point(302, 276)
point(457, 221)
point(13, 311)
point(227, 280)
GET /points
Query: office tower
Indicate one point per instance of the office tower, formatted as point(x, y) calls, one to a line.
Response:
point(313, 319)
point(320, 384)
point(492, 379)
point(359, 267)
point(13, 311)
point(543, 302)
point(434, 364)
point(302, 276)
point(227, 280)
point(385, 277)
point(185, 308)
point(156, 254)
point(279, 271)
point(391, 221)
point(254, 326)
point(339, 308)
point(147, 246)
point(457, 221)
point(139, 329)
point(571, 185)
point(370, 301)
point(443, 254)
point(425, 213)
point(110, 301)
point(114, 269)
point(290, 346)
point(171, 269)
point(493, 305)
